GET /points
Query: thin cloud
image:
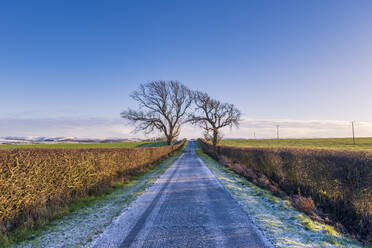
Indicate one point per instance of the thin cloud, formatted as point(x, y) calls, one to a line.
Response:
point(298, 129)
point(65, 127)
point(117, 127)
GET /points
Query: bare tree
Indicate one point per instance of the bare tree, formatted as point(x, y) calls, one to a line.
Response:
point(162, 107)
point(212, 115)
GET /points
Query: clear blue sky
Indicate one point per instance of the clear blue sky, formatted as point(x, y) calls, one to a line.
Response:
point(298, 60)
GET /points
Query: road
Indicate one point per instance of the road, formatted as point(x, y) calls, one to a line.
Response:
point(186, 207)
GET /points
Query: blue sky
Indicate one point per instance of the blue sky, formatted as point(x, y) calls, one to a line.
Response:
point(72, 62)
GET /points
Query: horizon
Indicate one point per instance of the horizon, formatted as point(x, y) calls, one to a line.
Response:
point(67, 68)
point(114, 128)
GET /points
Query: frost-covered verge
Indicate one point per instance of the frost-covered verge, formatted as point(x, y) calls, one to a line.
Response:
point(283, 225)
point(78, 228)
point(334, 185)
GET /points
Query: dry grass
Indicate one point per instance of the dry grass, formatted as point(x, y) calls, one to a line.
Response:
point(304, 204)
point(36, 182)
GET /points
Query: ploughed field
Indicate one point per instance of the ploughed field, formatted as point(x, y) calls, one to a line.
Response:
point(86, 145)
point(324, 143)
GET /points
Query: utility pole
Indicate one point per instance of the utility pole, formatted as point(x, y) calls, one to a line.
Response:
point(254, 135)
point(277, 131)
point(352, 126)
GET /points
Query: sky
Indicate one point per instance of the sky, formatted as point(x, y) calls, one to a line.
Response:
point(67, 67)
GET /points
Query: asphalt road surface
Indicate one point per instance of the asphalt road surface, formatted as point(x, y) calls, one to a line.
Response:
point(186, 207)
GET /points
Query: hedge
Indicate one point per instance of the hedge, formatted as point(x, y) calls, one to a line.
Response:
point(339, 182)
point(36, 182)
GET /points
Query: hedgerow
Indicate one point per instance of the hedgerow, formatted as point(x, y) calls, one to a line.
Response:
point(34, 183)
point(339, 182)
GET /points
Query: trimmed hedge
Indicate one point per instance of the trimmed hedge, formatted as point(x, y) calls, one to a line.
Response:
point(339, 182)
point(35, 182)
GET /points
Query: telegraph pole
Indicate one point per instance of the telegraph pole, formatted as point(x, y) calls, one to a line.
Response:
point(254, 135)
point(352, 127)
point(277, 131)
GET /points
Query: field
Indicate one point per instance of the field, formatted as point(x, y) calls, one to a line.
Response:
point(86, 145)
point(326, 143)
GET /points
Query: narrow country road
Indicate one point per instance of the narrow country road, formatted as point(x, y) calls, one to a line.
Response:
point(186, 207)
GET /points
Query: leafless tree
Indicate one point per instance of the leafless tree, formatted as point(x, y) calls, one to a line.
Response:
point(212, 115)
point(162, 106)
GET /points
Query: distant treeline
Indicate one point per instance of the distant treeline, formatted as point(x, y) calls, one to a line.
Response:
point(339, 182)
point(34, 183)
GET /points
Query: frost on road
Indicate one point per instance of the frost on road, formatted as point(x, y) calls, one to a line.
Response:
point(186, 207)
point(78, 228)
point(282, 224)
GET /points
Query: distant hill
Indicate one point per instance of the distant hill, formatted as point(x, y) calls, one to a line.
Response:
point(41, 140)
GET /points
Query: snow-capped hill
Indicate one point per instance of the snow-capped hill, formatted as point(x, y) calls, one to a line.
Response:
point(37, 140)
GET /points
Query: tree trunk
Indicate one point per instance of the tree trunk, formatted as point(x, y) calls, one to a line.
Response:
point(215, 141)
point(169, 140)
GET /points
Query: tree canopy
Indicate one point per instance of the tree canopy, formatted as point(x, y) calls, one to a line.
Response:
point(162, 106)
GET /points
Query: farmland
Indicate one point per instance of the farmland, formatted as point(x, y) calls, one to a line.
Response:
point(86, 145)
point(325, 143)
